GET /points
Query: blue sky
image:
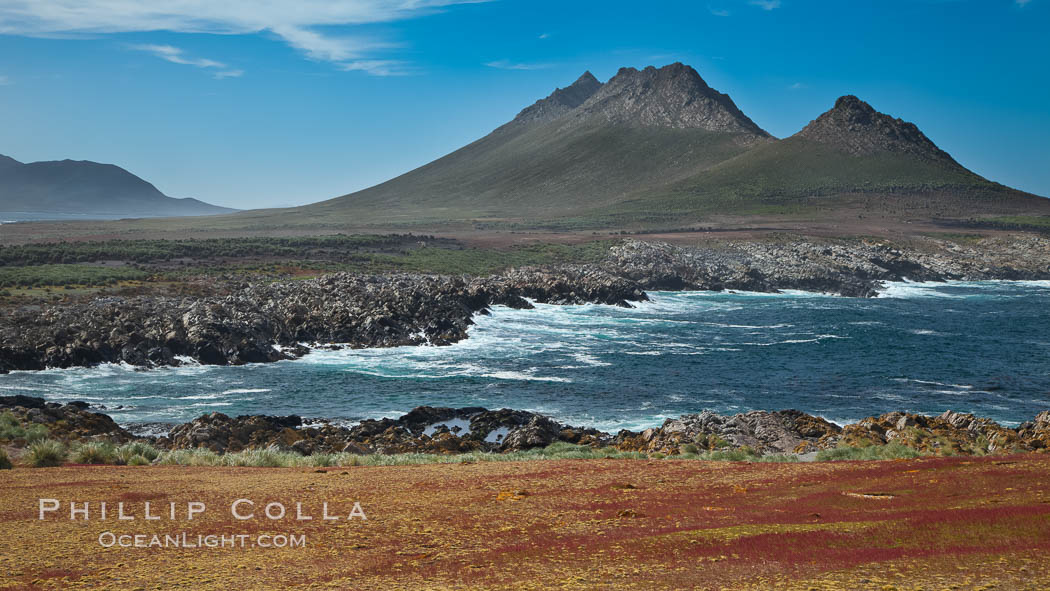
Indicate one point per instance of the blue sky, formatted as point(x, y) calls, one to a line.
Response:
point(246, 104)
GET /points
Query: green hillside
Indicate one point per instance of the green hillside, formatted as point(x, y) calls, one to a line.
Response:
point(794, 169)
point(538, 173)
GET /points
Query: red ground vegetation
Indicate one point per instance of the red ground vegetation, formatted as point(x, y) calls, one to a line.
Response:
point(962, 523)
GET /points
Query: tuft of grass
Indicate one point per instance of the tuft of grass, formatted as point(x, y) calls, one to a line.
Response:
point(890, 451)
point(46, 454)
point(137, 460)
point(11, 428)
point(269, 457)
point(274, 457)
point(126, 452)
point(322, 460)
point(190, 457)
point(776, 459)
point(95, 452)
point(5, 462)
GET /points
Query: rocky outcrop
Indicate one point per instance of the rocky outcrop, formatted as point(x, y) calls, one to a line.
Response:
point(673, 96)
point(1036, 434)
point(441, 430)
point(66, 422)
point(423, 430)
point(949, 433)
point(854, 127)
point(560, 102)
point(267, 322)
point(855, 268)
point(787, 431)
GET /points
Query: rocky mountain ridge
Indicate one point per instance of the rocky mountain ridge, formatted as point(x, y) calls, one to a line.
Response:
point(674, 96)
point(559, 102)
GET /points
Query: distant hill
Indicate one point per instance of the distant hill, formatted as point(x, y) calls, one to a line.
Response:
point(582, 147)
point(88, 188)
point(659, 145)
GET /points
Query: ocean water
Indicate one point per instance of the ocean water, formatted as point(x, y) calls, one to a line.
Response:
point(981, 347)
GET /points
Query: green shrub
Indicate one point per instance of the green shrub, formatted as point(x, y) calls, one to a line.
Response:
point(35, 432)
point(777, 458)
point(11, 428)
point(270, 457)
point(321, 460)
point(191, 457)
point(137, 460)
point(46, 453)
point(126, 452)
point(8, 423)
point(95, 452)
point(5, 462)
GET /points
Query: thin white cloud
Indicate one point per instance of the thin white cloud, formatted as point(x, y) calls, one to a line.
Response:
point(509, 65)
point(228, 74)
point(376, 67)
point(176, 55)
point(798, 86)
point(296, 22)
point(766, 4)
point(718, 11)
point(1023, 3)
point(545, 35)
point(5, 81)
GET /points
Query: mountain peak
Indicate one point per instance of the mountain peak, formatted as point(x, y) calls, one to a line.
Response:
point(855, 127)
point(7, 161)
point(587, 79)
point(561, 101)
point(673, 96)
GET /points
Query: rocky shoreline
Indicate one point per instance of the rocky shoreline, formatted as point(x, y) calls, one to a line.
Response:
point(431, 430)
point(266, 322)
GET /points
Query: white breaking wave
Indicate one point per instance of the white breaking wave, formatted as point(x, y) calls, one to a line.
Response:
point(751, 326)
point(935, 289)
point(932, 383)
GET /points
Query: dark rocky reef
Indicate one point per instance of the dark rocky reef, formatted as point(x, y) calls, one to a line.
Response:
point(854, 268)
point(423, 430)
point(438, 430)
point(786, 431)
point(266, 322)
point(68, 422)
